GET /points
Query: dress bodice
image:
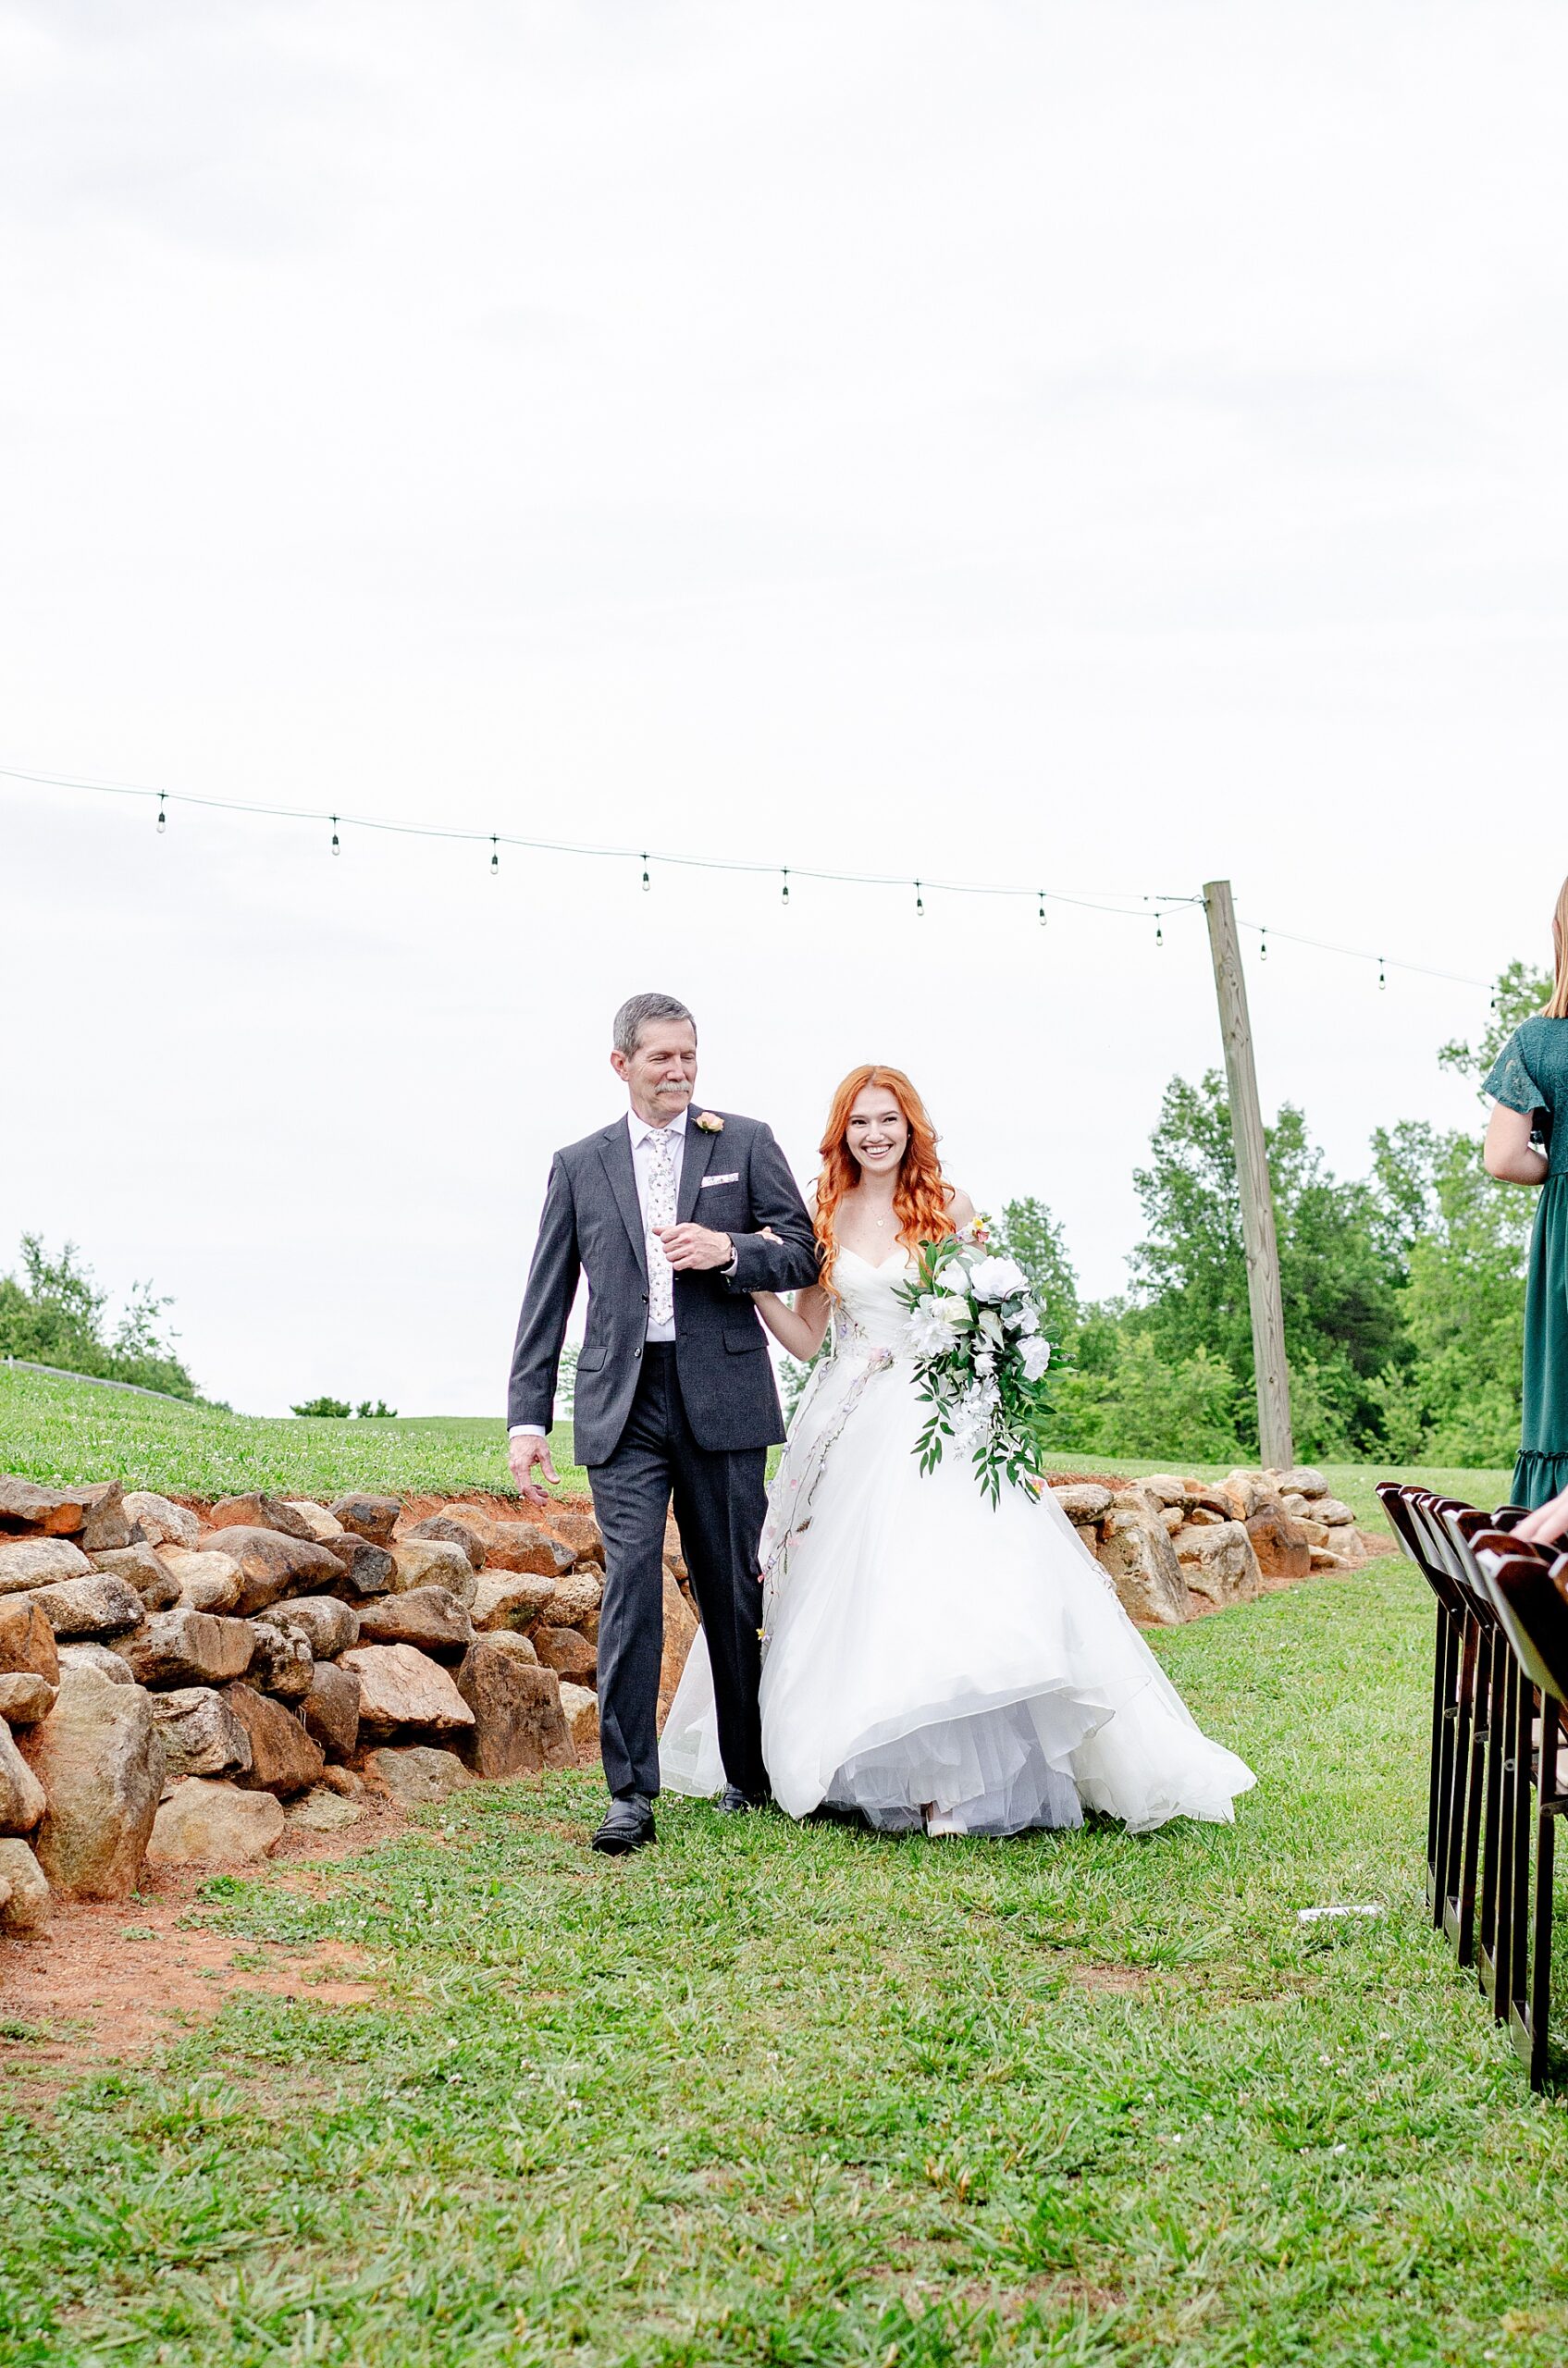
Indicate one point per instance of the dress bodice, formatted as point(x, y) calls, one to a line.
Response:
point(869, 1313)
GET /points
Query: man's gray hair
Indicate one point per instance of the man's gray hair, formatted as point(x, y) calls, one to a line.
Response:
point(639, 1012)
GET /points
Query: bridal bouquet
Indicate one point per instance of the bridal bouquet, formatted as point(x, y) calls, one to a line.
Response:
point(975, 1331)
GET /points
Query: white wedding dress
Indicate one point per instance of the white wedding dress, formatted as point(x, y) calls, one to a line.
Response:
point(924, 1647)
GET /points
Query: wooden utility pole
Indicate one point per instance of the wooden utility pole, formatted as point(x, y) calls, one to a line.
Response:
point(1251, 1173)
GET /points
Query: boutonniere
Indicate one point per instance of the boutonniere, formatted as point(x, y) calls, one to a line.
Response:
point(710, 1122)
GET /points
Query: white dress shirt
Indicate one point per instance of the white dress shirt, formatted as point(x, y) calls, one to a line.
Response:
point(643, 1139)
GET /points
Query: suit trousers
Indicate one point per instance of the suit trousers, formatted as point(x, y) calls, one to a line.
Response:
point(720, 1499)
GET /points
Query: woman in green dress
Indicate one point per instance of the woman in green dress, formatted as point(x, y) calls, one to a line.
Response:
point(1529, 1082)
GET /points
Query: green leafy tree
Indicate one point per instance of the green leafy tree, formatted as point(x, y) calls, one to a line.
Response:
point(1340, 1265)
point(1464, 1239)
point(336, 1410)
point(1030, 1234)
point(1519, 994)
point(1139, 1403)
point(54, 1313)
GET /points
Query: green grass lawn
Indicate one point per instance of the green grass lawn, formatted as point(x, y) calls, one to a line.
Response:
point(783, 2094)
point(66, 1431)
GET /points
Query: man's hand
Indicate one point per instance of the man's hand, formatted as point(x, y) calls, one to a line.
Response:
point(1547, 1524)
point(523, 1453)
point(692, 1249)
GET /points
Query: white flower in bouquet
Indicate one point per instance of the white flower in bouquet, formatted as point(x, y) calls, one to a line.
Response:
point(1034, 1355)
point(929, 1335)
point(1024, 1318)
point(997, 1278)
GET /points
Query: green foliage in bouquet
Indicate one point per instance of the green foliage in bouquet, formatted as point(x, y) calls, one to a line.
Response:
point(980, 1360)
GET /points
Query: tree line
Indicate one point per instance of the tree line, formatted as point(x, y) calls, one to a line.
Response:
point(1403, 1290)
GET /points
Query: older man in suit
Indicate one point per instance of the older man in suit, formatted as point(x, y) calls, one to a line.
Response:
point(674, 1216)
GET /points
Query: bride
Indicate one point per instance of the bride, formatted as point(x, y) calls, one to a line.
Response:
point(929, 1657)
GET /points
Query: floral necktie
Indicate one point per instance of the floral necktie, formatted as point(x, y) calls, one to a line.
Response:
point(660, 1212)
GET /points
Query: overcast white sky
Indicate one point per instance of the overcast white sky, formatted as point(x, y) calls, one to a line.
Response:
point(1100, 446)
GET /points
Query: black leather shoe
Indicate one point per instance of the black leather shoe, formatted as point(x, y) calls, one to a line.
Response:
point(732, 1801)
point(628, 1825)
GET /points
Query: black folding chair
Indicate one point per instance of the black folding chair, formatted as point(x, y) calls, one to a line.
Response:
point(1452, 1691)
point(1529, 1589)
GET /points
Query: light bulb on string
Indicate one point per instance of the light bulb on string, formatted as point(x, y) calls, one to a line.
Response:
point(336, 848)
point(647, 883)
point(1041, 892)
point(1159, 932)
point(919, 903)
point(1263, 945)
point(495, 857)
point(784, 898)
point(163, 817)
point(1382, 976)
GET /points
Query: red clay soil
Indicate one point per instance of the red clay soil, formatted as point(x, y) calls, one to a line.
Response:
point(108, 1981)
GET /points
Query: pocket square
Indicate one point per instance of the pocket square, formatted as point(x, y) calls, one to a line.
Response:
point(708, 1181)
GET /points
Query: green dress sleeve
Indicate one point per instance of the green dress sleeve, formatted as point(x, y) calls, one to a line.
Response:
point(1509, 1080)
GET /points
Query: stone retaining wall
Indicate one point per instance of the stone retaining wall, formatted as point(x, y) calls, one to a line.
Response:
point(179, 1683)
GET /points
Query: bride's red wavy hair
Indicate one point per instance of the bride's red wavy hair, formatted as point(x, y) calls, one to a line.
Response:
point(919, 1196)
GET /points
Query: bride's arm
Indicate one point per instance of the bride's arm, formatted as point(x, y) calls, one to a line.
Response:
point(800, 1328)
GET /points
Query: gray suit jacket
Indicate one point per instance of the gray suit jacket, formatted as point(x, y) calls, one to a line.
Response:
point(592, 1224)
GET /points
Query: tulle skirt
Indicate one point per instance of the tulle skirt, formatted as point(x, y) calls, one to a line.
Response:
point(932, 1657)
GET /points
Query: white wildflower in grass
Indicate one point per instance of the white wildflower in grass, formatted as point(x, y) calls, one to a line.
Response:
point(974, 1331)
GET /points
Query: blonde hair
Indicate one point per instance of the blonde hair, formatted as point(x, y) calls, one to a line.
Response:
point(1558, 1007)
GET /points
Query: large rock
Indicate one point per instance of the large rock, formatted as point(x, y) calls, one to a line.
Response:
point(26, 1900)
point(372, 1517)
point(519, 1725)
point(98, 1660)
point(1333, 1512)
point(567, 1652)
point(205, 1824)
point(580, 1532)
point(96, 1606)
point(94, 1516)
point(161, 1522)
point(284, 1758)
point(1217, 1561)
point(207, 1581)
point(54, 1512)
point(100, 1760)
point(575, 1601)
point(145, 1571)
point(322, 1525)
point(321, 1811)
point(27, 1641)
point(1167, 1487)
point(514, 1545)
point(25, 1697)
point(580, 1711)
point(1083, 1501)
point(27, 1562)
point(401, 1687)
point(202, 1735)
point(328, 1624)
point(21, 1794)
point(508, 1599)
point(282, 1663)
point(186, 1647)
point(273, 1564)
point(257, 1509)
point(451, 1533)
point(1302, 1480)
point(430, 1618)
point(364, 1568)
point(1280, 1544)
point(680, 1628)
point(1140, 1559)
point(331, 1710)
point(433, 1562)
point(416, 1775)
